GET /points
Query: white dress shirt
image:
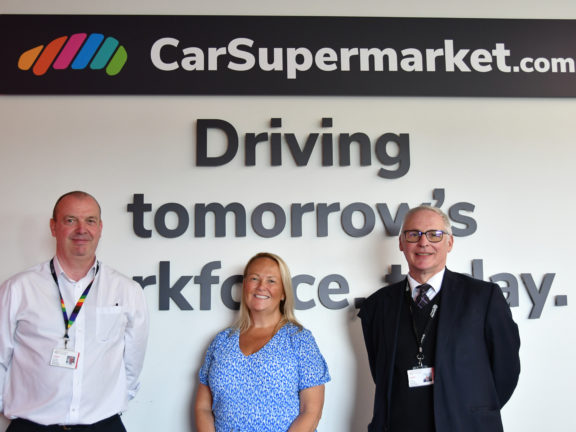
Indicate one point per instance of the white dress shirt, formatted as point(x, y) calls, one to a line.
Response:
point(110, 335)
point(435, 282)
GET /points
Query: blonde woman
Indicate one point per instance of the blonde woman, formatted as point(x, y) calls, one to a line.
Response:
point(266, 372)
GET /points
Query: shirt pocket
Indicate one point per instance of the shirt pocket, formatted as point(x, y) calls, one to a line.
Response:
point(110, 323)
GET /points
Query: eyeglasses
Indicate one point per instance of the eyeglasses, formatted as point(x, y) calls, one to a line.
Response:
point(433, 236)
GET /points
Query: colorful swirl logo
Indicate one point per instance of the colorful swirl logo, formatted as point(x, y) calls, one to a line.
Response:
point(77, 52)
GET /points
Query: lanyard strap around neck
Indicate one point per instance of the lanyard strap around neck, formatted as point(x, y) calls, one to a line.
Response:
point(69, 321)
point(420, 337)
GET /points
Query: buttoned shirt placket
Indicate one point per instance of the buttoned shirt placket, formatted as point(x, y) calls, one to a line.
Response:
point(78, 337)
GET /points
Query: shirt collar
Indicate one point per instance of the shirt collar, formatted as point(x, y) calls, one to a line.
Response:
point(60, 271)
point(435, 282)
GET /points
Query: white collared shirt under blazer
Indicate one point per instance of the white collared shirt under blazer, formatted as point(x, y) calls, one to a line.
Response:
point(110, 334)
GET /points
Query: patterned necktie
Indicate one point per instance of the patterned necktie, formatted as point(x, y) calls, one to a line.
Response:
point(421, 298)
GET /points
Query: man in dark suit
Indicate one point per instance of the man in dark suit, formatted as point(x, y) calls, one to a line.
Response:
point(442, 346)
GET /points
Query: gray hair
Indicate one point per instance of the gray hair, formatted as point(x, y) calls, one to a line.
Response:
point(75, 194)
point(444, 216)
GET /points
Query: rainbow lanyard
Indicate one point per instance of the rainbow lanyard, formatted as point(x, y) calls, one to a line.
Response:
point(69, 321)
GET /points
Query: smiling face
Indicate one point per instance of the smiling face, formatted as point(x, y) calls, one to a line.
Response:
point(262, 288)
point(77, 228)
point(424, 258)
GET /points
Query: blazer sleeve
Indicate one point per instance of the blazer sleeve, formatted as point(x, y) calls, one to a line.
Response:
point(503, 342)
point(366, 315)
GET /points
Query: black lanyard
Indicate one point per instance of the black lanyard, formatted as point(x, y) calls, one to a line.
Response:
point(420, 338)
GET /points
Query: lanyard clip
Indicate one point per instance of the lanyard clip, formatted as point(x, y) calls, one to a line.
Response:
point(420, 357)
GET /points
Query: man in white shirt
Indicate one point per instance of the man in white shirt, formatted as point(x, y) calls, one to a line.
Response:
point(73, 332)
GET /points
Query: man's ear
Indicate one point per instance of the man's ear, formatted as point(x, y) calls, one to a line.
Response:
point(53, 227)
point(450, 242)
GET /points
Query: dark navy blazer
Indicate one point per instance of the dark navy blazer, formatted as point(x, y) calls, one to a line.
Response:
point(477, 353)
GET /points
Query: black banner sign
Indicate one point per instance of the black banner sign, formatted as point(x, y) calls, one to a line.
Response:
point(276, 55)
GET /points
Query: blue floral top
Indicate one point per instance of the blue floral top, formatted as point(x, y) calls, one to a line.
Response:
point(260, 392)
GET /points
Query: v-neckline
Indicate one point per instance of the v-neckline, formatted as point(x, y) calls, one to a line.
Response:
point(261, 348)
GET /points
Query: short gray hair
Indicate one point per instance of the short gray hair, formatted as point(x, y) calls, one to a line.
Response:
point(444, 216)
point(75, 194)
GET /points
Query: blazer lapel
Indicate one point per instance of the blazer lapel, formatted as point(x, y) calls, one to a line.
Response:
point(450, 308)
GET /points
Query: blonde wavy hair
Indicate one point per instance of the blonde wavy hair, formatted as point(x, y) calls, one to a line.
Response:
point(244, 321)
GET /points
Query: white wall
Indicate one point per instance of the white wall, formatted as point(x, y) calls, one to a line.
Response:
point(511, 158)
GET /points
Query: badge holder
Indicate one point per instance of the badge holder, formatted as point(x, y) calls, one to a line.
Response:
point(420, 376)
point(64, 358)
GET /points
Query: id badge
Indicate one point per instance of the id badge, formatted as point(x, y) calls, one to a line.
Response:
point(64, 358)
point(419, 377)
